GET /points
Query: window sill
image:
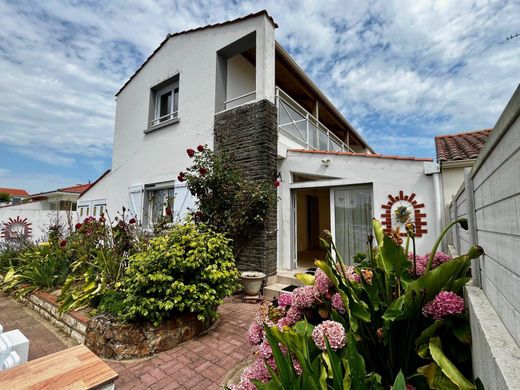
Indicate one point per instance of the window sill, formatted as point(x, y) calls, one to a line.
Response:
point(161, 125)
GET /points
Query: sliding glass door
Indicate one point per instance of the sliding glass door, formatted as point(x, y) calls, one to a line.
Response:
point(352, 220)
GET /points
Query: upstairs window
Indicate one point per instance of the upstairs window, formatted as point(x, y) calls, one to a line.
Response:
point(166, 102)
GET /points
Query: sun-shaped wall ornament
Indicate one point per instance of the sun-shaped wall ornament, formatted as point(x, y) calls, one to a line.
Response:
point(401, 209)
point(16, 228)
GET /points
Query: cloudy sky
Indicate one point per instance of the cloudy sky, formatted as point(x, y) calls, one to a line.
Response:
point(400, 71)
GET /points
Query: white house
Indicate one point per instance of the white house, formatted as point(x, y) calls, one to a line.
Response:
point(232, 85)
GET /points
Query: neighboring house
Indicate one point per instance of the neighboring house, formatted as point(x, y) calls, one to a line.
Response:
point(455, 152)
point(32, 218)
point(62, 199)
point(17, 196)
point(233, 87)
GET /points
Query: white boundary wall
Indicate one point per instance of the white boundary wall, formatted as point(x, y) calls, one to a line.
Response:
point(490, 199)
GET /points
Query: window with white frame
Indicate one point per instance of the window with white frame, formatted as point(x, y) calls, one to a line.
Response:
point(166, 102)
point(159, 203)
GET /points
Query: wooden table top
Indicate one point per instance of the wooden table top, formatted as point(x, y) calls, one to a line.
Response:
point(72, 368)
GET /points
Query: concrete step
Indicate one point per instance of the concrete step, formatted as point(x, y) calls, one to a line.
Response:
point(273, 291)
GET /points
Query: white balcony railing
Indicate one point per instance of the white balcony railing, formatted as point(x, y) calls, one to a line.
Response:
point(298, 124)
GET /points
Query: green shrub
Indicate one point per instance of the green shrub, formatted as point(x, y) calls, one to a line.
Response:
point(43, 267)
point(190, 269)
point(10, 251)
point(111, 302)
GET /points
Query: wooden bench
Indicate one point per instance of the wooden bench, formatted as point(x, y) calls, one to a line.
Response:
point(72, 368)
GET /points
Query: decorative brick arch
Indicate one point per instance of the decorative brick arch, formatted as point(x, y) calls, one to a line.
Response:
point(418, 215)
point(16, 228)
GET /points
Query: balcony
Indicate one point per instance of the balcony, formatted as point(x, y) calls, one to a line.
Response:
point(299, 125)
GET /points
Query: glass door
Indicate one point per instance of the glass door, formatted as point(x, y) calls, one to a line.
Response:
point(352, 220)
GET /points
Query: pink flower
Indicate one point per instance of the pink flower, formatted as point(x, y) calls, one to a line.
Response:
point(293, 315)
point(444, 304)
point(276, 183)
point(285, 300)
point(255, 333)
point(352, 275)
point(265, 350)
point(322, 282)
point(337, 303)
point(333, 331)
point(421, 262)
point(305, 296)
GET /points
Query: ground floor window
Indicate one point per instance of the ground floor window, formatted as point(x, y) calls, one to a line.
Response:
point(158, 205)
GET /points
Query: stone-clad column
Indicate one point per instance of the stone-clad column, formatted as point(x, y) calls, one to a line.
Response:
point(249, 134)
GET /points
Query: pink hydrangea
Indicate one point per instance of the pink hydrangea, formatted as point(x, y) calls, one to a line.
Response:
point(265, 350)
point(255, 333)
point(285, 300)
point(421, 262)
point(444, 304)
point(333, 331)
point(352, 275)
point(322, 282)
point(305, 296)
point(337, 303)
point(258, 371)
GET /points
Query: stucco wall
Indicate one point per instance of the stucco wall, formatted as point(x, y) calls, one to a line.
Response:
point(452, 179)
point(39, 217)
point(387, 176)
point(158, 156)
point(240, 80)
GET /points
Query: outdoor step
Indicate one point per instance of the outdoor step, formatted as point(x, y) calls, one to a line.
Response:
point(274, 290)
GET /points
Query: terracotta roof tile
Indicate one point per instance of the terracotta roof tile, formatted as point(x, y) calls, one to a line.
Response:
point(462, 146)
point(15, 192)
point(77, 189)
point(369, 155)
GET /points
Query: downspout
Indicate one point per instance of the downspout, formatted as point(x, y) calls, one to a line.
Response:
point(434, 169)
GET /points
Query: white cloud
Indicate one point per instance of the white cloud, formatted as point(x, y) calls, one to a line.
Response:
point(435, 67)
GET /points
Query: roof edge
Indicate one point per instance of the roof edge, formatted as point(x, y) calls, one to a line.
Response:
point(354, 154)
point(95, 182)
point(460, 134)
point(171, 35)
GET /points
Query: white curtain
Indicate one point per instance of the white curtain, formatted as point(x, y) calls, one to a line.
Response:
point(353, 220)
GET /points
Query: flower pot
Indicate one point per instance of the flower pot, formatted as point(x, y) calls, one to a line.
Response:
point(252, 281)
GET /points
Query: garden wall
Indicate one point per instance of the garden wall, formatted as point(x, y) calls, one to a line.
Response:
point(37, 219)
point(249, 133)
point(490, 198)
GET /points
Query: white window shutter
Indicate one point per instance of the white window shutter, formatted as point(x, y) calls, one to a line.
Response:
point(135, 204)
point(183, 201)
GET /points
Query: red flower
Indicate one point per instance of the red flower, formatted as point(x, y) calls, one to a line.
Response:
point(63, 243)
point(190, 152)
point(168, 212)
point(203, 170)
point(132, 221)
point(102, 219)
point(200, 148)
point(276, 183)
point(78, 226)
point(181, 177)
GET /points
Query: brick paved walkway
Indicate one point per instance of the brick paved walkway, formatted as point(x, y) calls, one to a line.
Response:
point(202, 363)
point(44, 339)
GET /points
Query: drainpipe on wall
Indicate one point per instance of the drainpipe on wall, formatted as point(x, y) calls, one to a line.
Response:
point(434, 169)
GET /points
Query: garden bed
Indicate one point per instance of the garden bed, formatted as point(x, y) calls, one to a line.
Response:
point(119, 341)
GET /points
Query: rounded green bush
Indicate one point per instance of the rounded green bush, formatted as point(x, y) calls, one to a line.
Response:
point(190, 269)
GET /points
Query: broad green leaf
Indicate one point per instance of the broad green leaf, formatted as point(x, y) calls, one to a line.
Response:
point(400, 382)
point(436, 378)
point(356, 364)
point(448, 368)
point(307, 279)
point(462, 332)
point(428, 332)
point(378, 231)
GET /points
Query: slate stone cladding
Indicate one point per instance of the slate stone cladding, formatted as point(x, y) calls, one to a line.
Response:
point(249, 134)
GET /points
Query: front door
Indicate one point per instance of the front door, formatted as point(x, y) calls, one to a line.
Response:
point(352, 219)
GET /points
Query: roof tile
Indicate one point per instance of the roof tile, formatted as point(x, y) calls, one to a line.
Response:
point(15, 192)
point(462, 146)
point(357, 154)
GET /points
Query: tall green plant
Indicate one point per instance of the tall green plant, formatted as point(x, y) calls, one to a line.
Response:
point(391, 338)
